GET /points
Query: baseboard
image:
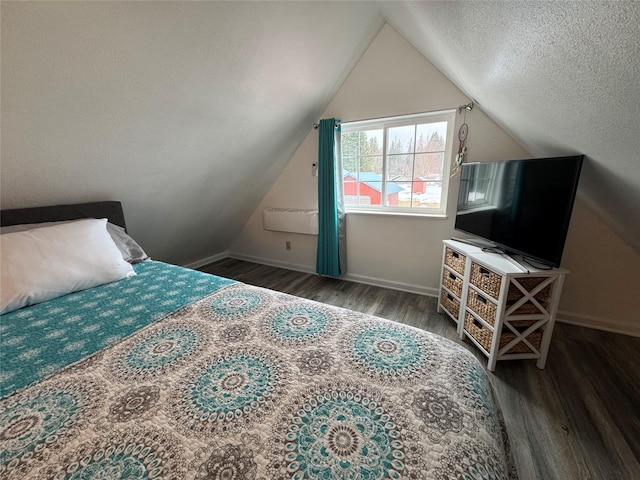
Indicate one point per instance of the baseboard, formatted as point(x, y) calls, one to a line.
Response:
point(598, 323)
point(393, 285)
point(273, 263)
point(206, 261)
point(376, 282)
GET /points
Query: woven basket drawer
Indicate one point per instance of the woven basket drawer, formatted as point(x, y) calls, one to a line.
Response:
point(521, 325)
point(454, 260)
point(482, 306)
point(486, 280)
point(529, 283)
point(483, 336)
point(450, 303)
point(534, 339)
point(453, 282)
point(478, 331)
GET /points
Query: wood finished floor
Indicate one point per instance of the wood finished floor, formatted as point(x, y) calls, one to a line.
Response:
point(577, 419)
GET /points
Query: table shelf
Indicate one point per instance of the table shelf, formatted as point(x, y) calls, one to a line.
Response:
point(505, 309)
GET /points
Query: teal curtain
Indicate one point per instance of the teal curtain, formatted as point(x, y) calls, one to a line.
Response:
point(330, 259)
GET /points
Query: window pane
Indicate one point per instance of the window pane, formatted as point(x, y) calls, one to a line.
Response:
point(371, 163)
point(365, 190)
point(429, 166)
point(426, 194)
point(364, 142)
point(361, 159)
point(361, 148)
point(348, 143)
point(370, 186)
point(404, 195)
point(400, 167)
point(401, 139)
point(431, 137)
point(351, 192)
point(373, 190)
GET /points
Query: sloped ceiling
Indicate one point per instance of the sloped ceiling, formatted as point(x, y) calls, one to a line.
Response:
point(561, 77)
point(188, 111)
point(185, 111)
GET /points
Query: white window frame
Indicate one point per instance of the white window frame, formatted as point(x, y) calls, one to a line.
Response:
point(448, 116)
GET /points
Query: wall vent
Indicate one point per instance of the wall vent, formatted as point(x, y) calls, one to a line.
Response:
point(294, 220)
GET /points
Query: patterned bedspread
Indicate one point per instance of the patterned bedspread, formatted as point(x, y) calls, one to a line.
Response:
point(42, 339)
point(247, 383)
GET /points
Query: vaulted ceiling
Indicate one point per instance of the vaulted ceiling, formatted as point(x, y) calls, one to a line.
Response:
point(561, 77)
point(192, 109)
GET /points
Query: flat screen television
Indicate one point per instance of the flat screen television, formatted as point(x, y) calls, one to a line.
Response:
point(523, 207)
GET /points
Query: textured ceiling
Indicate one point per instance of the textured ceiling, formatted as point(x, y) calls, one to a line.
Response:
point(561, 77)
point(191, 110)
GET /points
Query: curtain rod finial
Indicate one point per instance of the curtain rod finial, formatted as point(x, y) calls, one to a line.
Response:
point(468, 106)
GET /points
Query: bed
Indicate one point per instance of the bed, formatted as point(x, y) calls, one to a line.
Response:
point(171, 373)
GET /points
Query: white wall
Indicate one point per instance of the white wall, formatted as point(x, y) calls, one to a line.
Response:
point(392, 78)
point(602, 289)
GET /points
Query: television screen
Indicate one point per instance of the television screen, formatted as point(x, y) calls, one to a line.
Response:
point(521, 206)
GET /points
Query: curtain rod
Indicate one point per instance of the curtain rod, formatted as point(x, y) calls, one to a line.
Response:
point(316, 125)
point(468, 106)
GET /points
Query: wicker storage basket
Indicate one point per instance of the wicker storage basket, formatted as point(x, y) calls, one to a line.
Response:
point(452, 282)
point(478, 331)
point(534, 339)
point(482, 306)
point(529, 283)
point(486, 280)
point(522, 325)
point(483, 335)
point(454, 260)
point(450, 303)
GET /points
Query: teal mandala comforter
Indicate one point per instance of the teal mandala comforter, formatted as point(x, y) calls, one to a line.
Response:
point(180, 374)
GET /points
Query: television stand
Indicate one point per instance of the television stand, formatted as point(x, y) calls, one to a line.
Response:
point(475, 242)
point(526, 264)
point(506, 310)
point(511, 257)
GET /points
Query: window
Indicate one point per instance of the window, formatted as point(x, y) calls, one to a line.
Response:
point(398, 164)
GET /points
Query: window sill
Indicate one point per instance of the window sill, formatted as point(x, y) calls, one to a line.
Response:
point(441, 216)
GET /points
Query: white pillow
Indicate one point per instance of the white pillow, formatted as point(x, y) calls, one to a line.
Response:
point(131, 251)
point(45, 263)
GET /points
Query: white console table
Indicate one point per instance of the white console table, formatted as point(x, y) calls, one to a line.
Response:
point(506, 309)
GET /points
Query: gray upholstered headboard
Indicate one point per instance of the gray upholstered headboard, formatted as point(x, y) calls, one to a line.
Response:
point(110, 210)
